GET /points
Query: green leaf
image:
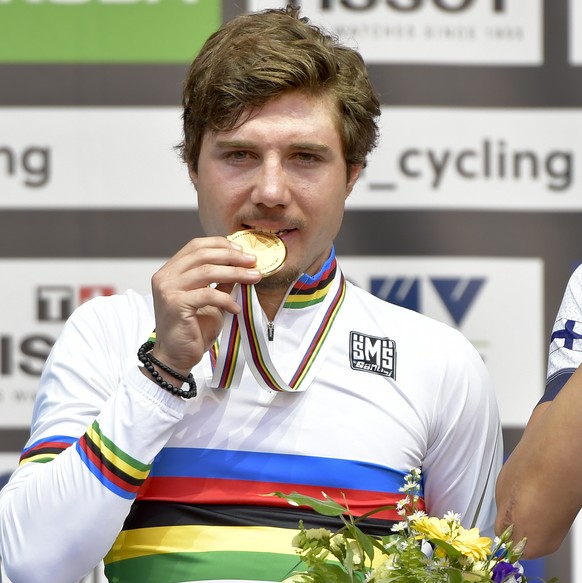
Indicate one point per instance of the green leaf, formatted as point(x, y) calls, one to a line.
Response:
point(327, 507)
point(348, 562)
point(333, 573)
point(364, 541)
point(455, 576)
point(449, 549)
point(376, 511)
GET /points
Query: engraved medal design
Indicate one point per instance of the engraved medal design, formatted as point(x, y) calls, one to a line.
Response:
point(269, 249)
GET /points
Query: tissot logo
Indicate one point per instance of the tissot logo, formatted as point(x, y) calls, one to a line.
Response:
point(412, 5)
point(500, 32)
point(373, 354)
point(457, 294)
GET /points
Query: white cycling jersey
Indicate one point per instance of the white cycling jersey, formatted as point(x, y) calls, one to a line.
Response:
point(168, 490)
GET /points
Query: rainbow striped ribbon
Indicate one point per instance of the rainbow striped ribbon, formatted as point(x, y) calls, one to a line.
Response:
point(226, 364)
point(248, 329)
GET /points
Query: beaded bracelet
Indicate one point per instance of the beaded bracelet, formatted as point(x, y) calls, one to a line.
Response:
point(147, 359)
point(165, 367)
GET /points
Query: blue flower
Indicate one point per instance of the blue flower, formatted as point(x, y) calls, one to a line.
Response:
point(503, 570)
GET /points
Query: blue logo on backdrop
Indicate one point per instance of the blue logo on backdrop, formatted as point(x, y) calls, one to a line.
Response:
point(401, 291)
point(457, 294)
point(4, 480)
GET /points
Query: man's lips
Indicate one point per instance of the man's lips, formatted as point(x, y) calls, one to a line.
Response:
point(274, 231)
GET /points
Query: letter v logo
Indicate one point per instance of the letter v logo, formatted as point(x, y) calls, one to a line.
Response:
point(402, 291)
point(457, 294)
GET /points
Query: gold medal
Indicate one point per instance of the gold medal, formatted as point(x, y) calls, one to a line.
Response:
point(269, 249)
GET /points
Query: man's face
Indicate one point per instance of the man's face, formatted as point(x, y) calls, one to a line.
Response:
point(282, 171)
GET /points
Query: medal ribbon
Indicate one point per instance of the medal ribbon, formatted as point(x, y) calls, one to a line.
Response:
point(228, 362)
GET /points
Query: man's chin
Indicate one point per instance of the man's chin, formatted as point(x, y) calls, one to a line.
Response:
point(280, 280)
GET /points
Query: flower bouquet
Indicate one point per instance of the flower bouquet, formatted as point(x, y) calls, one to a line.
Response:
point(420, 549)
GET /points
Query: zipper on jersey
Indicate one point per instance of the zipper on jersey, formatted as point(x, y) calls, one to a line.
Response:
point(270, 330)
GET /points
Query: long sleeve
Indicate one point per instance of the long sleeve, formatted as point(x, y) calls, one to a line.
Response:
point(98, 424)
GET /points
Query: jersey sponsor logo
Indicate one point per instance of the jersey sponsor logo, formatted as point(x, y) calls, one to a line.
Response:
point(373, 354)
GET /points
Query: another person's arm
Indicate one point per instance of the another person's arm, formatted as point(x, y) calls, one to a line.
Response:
point(538, 490)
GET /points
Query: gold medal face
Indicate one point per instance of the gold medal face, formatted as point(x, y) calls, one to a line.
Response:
point(269, 249)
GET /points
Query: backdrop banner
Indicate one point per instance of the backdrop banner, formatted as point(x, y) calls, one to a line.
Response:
point(469, 210)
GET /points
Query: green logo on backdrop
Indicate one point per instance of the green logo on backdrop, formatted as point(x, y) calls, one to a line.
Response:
point(105, 31)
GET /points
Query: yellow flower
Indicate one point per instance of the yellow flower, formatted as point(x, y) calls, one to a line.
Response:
point(433, 527)
point(467, 541)
point(472, 544)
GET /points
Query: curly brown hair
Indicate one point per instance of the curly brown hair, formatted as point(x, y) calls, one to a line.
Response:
point(257, 57)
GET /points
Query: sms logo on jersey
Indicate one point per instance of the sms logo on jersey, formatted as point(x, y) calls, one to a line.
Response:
point(373, 354)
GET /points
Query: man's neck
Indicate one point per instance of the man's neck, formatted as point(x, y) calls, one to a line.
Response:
point(273, 292)
point(270, 300)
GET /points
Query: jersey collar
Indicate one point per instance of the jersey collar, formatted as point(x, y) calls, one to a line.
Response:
point(309, 290)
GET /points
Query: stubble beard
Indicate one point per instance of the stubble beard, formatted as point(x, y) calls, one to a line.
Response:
point(280, 280)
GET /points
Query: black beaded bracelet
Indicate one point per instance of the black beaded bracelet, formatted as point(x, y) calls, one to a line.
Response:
point(147, 359)
point(166, 368)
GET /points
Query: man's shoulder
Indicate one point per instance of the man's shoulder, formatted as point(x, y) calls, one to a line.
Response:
point(380, 309)
point(129, 301)
point(123, 312)
point(386, 319)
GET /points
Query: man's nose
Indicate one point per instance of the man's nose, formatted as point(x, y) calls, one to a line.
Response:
point(271, 187)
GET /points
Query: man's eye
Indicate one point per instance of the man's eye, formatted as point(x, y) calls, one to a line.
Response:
point(306, 156)
point(237, 155)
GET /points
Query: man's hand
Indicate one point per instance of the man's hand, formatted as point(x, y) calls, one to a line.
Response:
point(191, 293)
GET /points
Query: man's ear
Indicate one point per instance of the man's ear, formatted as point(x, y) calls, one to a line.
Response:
point(353, 175)
point(193, 175)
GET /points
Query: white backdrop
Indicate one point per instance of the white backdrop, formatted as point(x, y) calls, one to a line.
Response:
point(469, 210)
